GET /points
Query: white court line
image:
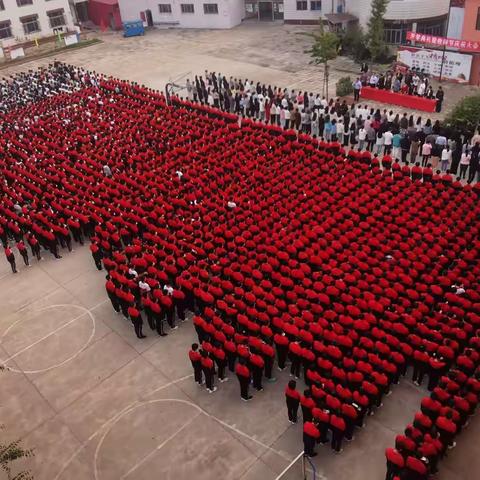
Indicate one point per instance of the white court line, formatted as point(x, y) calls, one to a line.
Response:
point(173, 400)
point(65, 325)
point(159, 447)
point(86, 311)
point(113, 418)
point(278, 477)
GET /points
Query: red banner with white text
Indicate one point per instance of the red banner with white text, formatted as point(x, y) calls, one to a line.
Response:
point(466, 45)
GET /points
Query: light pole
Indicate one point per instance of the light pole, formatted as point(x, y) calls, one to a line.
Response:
point(445, 47)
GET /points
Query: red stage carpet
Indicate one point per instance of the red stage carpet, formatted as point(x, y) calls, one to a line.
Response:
point(408, 101)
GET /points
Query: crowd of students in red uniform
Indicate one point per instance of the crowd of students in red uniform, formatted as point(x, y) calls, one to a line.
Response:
point(271, 238)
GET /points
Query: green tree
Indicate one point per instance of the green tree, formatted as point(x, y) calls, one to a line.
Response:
point(376, 34)
point(354, 43)
point(325, 48)
point(465, 117)
point(9, 452)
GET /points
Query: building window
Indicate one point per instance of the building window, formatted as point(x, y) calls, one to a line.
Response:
point(395, 32)
point(187, 8)
point(30, 24)
point(210, 8)
point(478, 19)
point(5, 29)
point(302, 5)
point(2, 6)
point(165, 8)
point(315, 5)
point(21, 3)
point(436, 28)
point(56, 18)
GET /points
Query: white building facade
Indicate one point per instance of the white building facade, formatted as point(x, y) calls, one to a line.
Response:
point(184, 13)
point(26, 20)
point(425, 16)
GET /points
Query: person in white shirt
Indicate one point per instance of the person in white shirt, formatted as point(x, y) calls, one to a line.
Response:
point(379, 143)
point(362, 136)
point(464, 164)
point(144, 286)
point(340, 131)
point(261, 103)
point(421, 89)
point(446, 158)
point(387, 141)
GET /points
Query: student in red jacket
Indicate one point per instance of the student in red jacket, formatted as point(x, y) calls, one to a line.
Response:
point(208, 368)
point(268, 354)
point(395, 463)
point(307, 404)
point(446, 429)
point(11, 258)
point(244, 376)
point(415, 469)
point(23, 252)
point(196, 360)
point(257, 365)
point(136, 318)
point(281, 343)
point(221, 361)
point(337, 425)
point(310, 437)
point(292, 396)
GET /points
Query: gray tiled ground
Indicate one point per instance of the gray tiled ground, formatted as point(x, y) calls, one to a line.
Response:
point(95, 402)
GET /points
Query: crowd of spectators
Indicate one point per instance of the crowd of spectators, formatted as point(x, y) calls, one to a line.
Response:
point(405, 81)
point(410, 138)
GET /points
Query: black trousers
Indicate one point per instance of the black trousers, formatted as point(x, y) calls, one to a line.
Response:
point(36, 251)
point(231, 357)
point(463, 170)
point(244, 384)
point(181, 306)
point(292, 408)
point(323, 428)
point(97, 258)
point(282, 351)
point(257, 374)
point(296, 365)
point(159, 325)
point(268, 366)
point(200, 334)
point(208, 372)
point(113, 298)
point(308, 444)
point(350, 424)
point(221, 364)
point(124, 308)
point(12, 264)
point(77, 235)
point(138, 325)
point(24, 255)
point(418, 372)
point(171, 317)
point(306, 414)
point(197, 372)
point(337, 438)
